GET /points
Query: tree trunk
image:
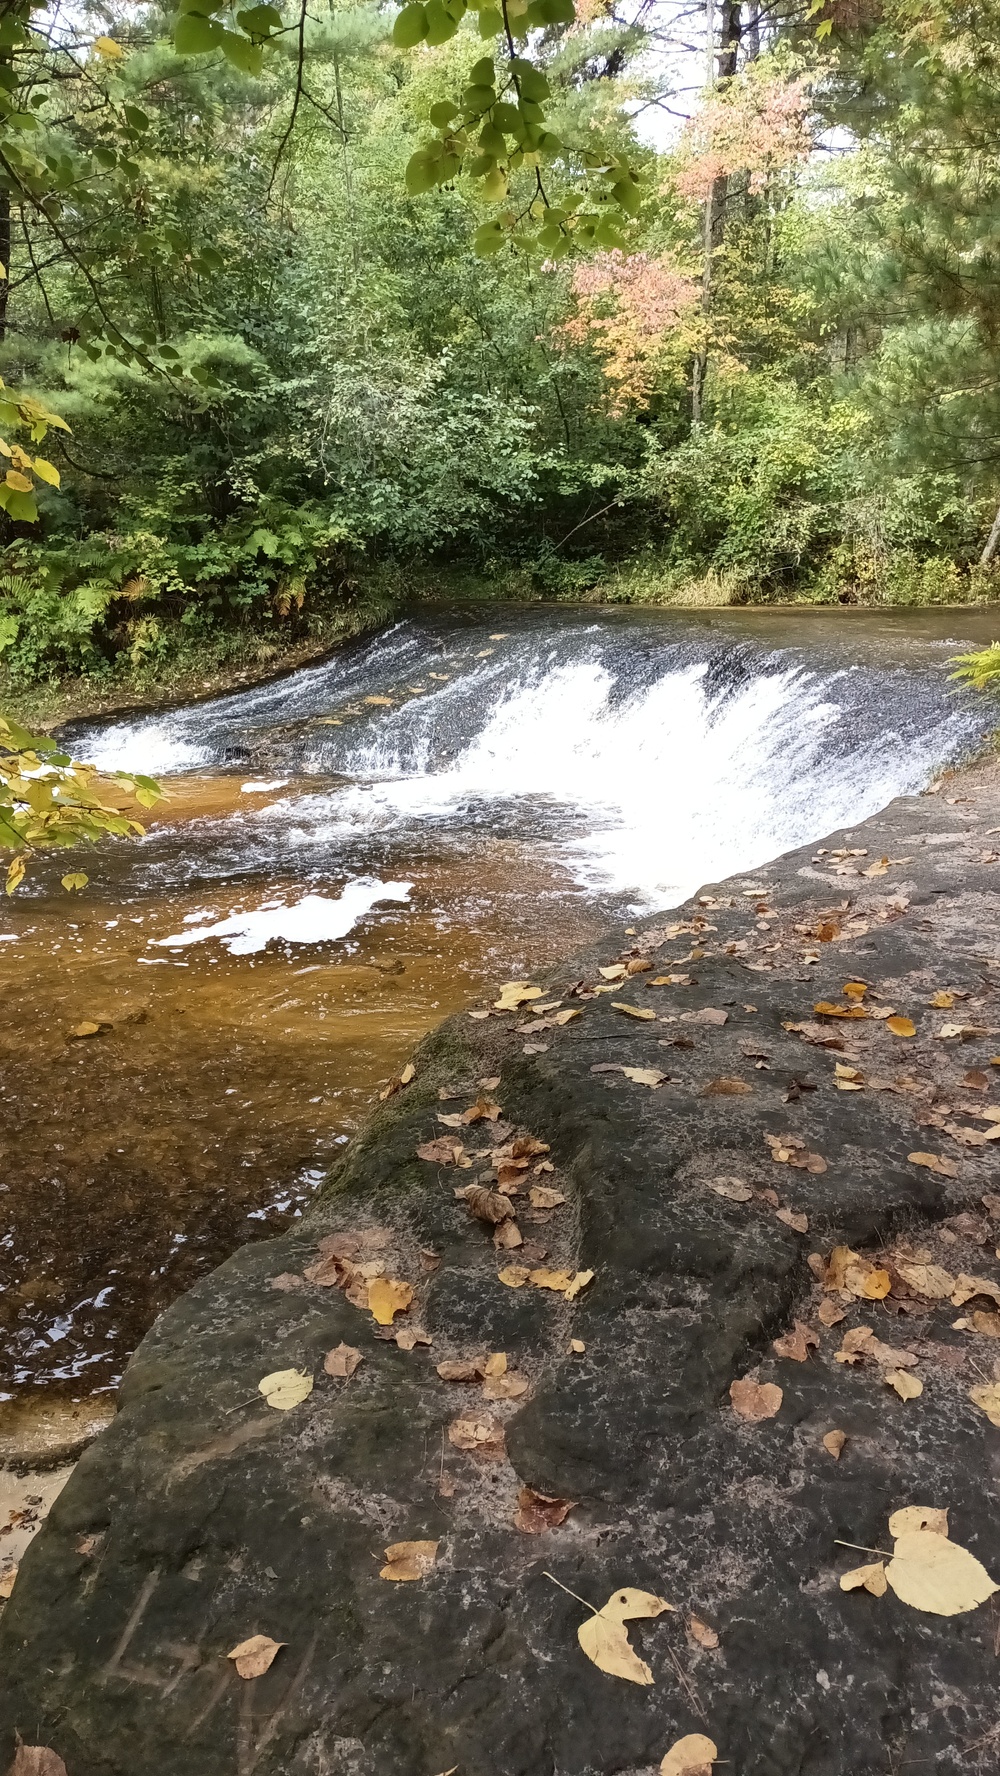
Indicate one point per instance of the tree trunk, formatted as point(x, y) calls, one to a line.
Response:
point(992, 542)
point(721, 66)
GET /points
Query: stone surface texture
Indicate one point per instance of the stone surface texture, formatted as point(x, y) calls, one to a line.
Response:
point(202, 1516)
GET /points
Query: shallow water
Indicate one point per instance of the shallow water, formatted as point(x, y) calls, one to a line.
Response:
point(355, 851)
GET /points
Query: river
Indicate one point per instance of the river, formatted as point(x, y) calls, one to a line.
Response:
point(349, 854)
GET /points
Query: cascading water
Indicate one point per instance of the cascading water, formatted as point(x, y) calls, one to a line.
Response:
point(351, 853)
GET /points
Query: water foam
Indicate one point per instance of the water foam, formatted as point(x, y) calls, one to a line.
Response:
point(316, 918)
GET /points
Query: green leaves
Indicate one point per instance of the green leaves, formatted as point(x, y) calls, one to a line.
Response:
point(194, 34)
point(411, 27)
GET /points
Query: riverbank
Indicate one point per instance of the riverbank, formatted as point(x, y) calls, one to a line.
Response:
point(698, 1397)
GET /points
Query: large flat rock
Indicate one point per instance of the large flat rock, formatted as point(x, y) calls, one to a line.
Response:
point(203, 1516)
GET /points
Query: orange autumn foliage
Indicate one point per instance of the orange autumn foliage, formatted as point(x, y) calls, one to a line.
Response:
point(629, 308)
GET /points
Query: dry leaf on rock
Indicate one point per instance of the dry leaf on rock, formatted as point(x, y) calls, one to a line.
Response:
point(514, 1276)
point(796, 1344)
point(726, 1088)
point(507, 1237)
point(701, 1632)
point(255, 1656)
point(7, 1580)
point(907, 1386)
point(505, 1387)
point(650, 1076)
point(515, 993)
point(287, 1280)
point(988, 1400)
point(461, 1369)
point(604, 1637)
point(942, 1001)
point(478, 1434)
point(342, 1361)
point(577, 1346)
point(930, 1280)
point(755, 1400)
point(286, 1388)
point(86, 1029)
point(444, 1151)
point(929, 1517)
point(691, 1756)
point(36, 1760)
point(833, 1443)
point(483, 1110)
point(866, 1578)
point(487, 1205)
point(733, 1189)
point(537, 1512)
point(615, 972)
point(967, 1287)
point(709, 1014)
point(826, 1009)
point(931, 1573)
point(829, 1313)
point(406, 1561)
point(634, 1011)
point(901, 1026)
point(387, 1296)
point(408, 1337)
point(798, 1222)
point(541, 1196)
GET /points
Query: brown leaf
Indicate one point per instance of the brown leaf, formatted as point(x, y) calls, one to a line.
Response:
point(829, 1313)
point(796, 1344)
point(702, 1633)
point(325, 1273)
point(507, 1237)
point(288, 1280)
point(541, 1197)
point(826, 1009)
point(462, 1369)
point(798, 1222)
point(726, 1088)
point(834, 1442)
point(755, 1400)
point(407, 1561)
point(509, 1386)
point(478, 1434)
point(408, 1337)
point(483, 1110)
point(988, 1400)
point(968, 1287)
point(537, 1511)
point(388, 1297)
point(488, 1205)
point(342, 1361)
point(446, 1150)
point(255, 1656)
point(732, 1188)
point(36, 1760)
point(709, 1014)
point(907, 1386)
point(929, 1280)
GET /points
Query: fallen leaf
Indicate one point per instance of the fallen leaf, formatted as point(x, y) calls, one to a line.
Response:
point(907, 1386)
point(931, 1573)
point(650, 1076)
point(515, 1276)
point(7, 1580)
point(702, 1633)
point(918, 1517)
point(634, 1011)
point(505, 1387)
point(86, 1029)
point(578, 1282)
point(541, 1196)
point(901, 1026)
point(515, 993)
point(478, 1434)
point(829, 1313)
point(615, 972)
point(866, 1578)
point(834, 1442)
point(930, 1280)
point(755, 1400)
point(287, 1280)
point(577, 1346)
point(988, 1400)
point(483, 1110)
point(942, 1001)
point(36, 1760)
point(342, 1361)
point(537, 1511)
point(935, 1164)
point(604, 1637)
point(726, 1088)
point(732, 1188)
point(670, 980)
point(383, 702)
point(444, 1151)
point(709, 1014)
point(798, 1222)
point(691, 1756)
point(826, 1009)
point(461, 1369)
point(406, 1561)
point(255, 1656)
point(487, 1205)
point(408, 1337)
point(507, 1237)
point(286, 1388)
point(388, 1297)
point(796, 1344)
point(988, 1324)
point(967, 1287)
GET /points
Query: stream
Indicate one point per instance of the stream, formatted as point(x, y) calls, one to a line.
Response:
point(351, 853)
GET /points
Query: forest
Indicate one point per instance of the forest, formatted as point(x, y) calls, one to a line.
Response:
point(313, 310)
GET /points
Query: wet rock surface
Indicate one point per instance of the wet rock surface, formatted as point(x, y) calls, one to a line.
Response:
point(202, 1516)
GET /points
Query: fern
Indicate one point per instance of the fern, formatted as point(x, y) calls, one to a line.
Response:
point(980, 670)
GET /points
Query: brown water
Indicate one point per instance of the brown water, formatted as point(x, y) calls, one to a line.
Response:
point(523, 779)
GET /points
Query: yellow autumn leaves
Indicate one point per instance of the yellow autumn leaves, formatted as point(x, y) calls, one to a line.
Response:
point(927, 1570)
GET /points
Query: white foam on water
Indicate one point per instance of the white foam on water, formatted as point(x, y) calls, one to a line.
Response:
point(316, 918)
point(155, 745)
point(263, 788)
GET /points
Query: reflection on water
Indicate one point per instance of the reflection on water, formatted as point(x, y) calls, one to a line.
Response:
point(353, 852)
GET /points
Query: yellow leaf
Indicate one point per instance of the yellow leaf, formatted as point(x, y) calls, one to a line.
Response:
point(387, 1297)
point(834, 1442)
point(255, 1656)
point(934, 1163)
point(988, 1399)
point(15, 874)
point(75, 882)
point(691, 1756)
point(604, 1637)
point(931, 1573)
point(855, 989)
point(906, 1385)
point(650, 1076)
point(409, 1560)
point(87, 1028)
point(866, 1578)
point(46, 471)
point(634, 1011)
point(17, 482)
point(109, 49)
point(286, 1388)
point(515, 1276)
point(515, 993)
point(918, 1517)
point(901, 1026)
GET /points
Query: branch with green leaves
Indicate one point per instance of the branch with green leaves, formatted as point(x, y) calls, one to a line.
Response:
point(49, 799)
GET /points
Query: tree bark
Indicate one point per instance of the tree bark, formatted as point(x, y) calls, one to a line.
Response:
point(992, 542)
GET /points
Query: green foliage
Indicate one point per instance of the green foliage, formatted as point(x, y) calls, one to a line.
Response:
point(981, 670)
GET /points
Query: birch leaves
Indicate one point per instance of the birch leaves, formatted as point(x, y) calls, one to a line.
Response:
point(604, 1636)
point(927, 1570)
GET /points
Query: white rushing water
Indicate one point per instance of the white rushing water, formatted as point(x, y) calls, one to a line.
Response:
point(646, 760)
